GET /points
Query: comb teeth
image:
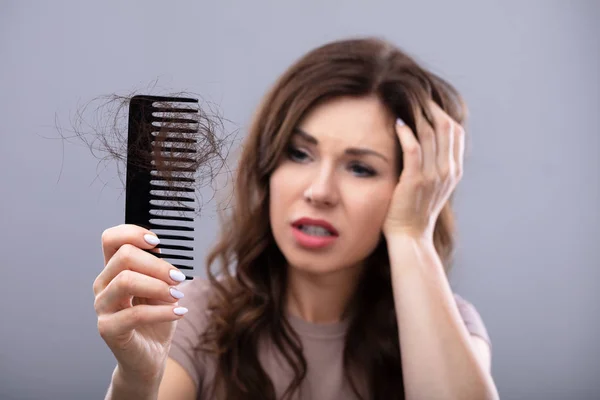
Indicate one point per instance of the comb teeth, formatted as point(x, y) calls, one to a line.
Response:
point(171, 188)
point(175, 129)
point(174, 120)
point(176, 159)
point(171, 149)
point(172, 178)
point(171, 198)
point(162, 140)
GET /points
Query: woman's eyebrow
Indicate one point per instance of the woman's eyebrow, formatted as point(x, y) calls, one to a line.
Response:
point(354, 151)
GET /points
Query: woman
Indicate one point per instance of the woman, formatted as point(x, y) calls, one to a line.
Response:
point(341, 237)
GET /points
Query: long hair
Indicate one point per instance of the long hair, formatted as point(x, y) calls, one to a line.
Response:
point(248, 303)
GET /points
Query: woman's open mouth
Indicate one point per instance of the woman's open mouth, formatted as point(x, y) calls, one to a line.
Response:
point(314, 233)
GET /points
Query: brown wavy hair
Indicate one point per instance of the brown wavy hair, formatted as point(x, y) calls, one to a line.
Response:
point(248, 304)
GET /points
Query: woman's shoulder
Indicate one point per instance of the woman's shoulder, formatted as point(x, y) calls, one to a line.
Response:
point(197, 293)
point(187, 339)
point(472, 318)
point(197, 289)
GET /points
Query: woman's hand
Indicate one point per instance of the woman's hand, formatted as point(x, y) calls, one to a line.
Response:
point(136, 303)
point(432, 167)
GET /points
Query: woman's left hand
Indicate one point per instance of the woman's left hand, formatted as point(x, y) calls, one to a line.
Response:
point(432, 167)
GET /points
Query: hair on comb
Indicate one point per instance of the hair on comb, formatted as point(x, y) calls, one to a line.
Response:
point(162, 143)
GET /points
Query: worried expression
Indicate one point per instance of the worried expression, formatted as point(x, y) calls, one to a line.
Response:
point(330, 193)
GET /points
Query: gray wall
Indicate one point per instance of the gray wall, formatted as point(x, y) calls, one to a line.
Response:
point(527, 208)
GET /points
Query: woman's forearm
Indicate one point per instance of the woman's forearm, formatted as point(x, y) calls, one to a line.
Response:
point(438, 361)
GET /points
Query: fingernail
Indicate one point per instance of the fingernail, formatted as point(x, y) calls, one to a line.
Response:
point(151, 239)
point(176, 275)
point(176, 293)
point(399, 122)
point(180, 310)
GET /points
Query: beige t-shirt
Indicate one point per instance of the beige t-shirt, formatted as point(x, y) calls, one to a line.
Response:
point(323, 346)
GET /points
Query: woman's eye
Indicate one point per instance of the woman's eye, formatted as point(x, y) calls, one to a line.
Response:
point(361, 170)
point(297, 155)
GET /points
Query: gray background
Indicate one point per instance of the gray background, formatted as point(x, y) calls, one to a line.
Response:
point(527, 207)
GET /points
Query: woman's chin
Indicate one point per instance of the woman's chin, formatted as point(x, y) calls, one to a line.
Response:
point(313, 264)
point(316, 264)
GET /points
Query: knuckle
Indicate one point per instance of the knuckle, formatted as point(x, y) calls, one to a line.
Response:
point(111, 233)
point(419, 182)
point(137, 316)
point(445, 173)
point(126, 253)
point(431, 178)
point(446, 125)
point(410, 151)
point(103, 328)
point(125, 280)
point(96, 305)
point(413, 150)
point(428, 133)
point(432, 181)
point(108, 235)
point(96, 286)
point(105, 237)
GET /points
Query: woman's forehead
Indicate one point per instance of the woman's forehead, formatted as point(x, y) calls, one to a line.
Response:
point(349, 122)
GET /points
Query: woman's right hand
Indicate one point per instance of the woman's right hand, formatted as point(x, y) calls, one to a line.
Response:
point(136, 302)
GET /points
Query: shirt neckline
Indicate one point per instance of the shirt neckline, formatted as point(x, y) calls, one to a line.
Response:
point(318, 330)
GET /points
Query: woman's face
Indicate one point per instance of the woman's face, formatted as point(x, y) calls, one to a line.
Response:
point(330, 193)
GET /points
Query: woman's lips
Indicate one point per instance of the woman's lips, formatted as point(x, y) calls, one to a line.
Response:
point(313, 241)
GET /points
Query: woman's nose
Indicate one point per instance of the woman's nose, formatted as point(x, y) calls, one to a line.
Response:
point(322, 189)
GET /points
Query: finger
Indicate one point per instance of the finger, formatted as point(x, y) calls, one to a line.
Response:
point(459, 150)
point(444, 140)
point(115, 237)
point(427, 140)
point(128, 284)
point(129, 257)
point(122, 322)
point(411, 150)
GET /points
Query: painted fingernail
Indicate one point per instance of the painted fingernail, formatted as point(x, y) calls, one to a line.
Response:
point(180, 310)
point(176, 293)
point(151, 239)
point(399, 122)
point(176, 275)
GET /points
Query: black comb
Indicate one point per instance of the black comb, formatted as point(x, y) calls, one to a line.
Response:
point(162, 132)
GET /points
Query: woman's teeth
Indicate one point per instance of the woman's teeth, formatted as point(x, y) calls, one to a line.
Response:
point(314, 230)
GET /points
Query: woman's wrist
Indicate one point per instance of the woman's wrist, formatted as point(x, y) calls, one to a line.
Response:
point(125, 385)
point(410, 251)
